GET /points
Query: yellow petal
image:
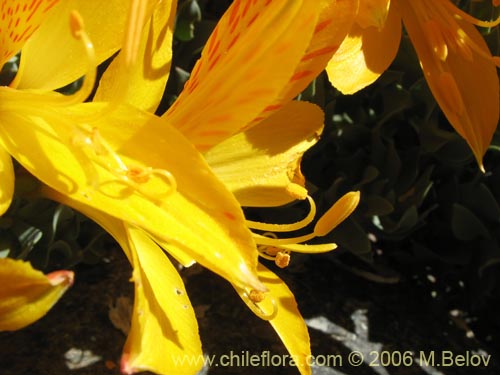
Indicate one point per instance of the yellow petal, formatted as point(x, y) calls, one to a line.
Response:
point(19, 19)
point(169, 191)
point(333, 25)
point(164, 330)
point(287, 321)
point(27, 294)
point(465, 84)
point(248, 60)
point(365, 54)
point(373, 13)
point(7, 181)
point(260, 164)
point(141, 82)
point(52, 58)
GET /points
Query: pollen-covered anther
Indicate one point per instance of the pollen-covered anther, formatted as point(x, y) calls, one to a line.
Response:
point(256, 296)
point(282, 259)
point(101, 153)
point(143, 175)
point(262, 304)
point(76, 24)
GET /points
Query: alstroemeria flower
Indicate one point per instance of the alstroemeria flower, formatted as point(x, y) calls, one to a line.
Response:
point(457, 64)
point(236, 110)
point(145, 182)
point(108, 156)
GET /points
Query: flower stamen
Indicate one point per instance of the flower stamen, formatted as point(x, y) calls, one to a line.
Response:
point(278, 249)
point(102, 154)
point(77, 28)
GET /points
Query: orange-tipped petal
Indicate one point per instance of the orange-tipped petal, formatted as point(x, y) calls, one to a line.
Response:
point(7, 178)
point(26, 294)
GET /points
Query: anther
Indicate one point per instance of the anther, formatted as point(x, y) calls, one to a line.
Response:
point(254, 297)
point(282, 259)
point(337, 213)
point(76, 24)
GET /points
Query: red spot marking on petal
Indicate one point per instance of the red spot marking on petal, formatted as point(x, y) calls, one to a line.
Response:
point(252, 20)
point(214, 62)
point(214, 50)
point(212, 41)
point(270, 108)
point(319, 52)
point(245, 9)
point(234, 12)
point(230, 216)
point(320, 26)
point(233, 41)
point(300, 75)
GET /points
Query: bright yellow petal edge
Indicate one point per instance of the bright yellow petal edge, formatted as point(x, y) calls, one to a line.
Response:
point(7, 178)
point(26, 294)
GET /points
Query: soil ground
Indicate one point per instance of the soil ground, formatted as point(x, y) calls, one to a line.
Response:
point(344, 312)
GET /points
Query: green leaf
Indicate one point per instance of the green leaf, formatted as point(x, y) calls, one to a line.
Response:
point(465, 224)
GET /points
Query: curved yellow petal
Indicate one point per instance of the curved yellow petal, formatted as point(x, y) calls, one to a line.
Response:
point(287, 321)
point(463, 78)
point(141, 82)
point(26, 294)
point(164, 330)
point(7, 181)
point(260, 165)
point(333, 25)
point(248, 60)
point(169, 191)
point(52, 58)
point(373, 13)
point(365, 54)
point(18, 20)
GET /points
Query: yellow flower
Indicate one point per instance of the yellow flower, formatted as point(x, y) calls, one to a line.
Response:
point(457, 64)
point(235, 109)
point(142, 179)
